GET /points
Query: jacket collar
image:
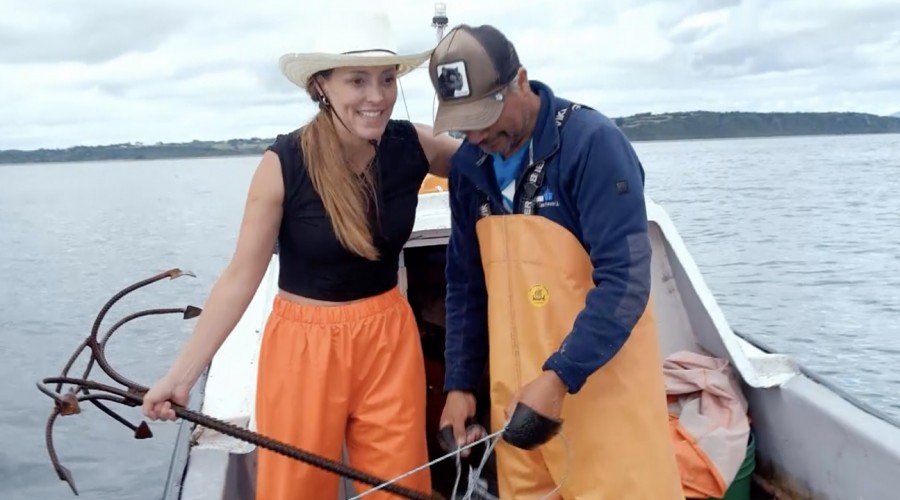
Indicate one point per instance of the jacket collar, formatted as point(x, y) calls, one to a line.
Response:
point(470, 159)
point(545, 134)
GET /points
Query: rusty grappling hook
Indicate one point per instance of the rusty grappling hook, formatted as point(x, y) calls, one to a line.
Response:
point(132, 395)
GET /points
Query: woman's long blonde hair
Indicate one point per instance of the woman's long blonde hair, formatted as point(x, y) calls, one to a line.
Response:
point(345, 194)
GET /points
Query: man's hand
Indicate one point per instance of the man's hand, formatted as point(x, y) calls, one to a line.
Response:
point(458, 407)
point(544, 395)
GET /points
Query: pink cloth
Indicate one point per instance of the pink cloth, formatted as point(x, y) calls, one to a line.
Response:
point(710, 406)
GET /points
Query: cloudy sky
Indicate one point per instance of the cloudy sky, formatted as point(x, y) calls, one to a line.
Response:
point(110, 71)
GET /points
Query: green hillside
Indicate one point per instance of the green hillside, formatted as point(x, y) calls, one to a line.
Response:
point(640, 127)
point(707, 125)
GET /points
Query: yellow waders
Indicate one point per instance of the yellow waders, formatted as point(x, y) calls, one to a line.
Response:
point(537, 276)
point(616, 427)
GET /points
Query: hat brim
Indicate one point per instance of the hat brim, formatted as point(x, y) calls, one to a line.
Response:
point(299, 68)
point(475, 115)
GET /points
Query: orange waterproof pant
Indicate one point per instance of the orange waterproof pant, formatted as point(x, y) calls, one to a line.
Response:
point(333, 374)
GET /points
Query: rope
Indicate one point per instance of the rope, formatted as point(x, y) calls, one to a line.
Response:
point(474, 477)
point(455, 453)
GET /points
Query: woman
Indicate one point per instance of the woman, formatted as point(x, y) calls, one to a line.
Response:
point(340, 357)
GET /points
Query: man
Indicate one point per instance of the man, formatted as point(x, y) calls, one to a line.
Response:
point(548, 271)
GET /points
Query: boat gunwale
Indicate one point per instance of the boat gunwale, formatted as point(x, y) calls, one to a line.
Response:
point(821, 379)
point(184, 443)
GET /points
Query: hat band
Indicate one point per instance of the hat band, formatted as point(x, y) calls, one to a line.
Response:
point(349, 53)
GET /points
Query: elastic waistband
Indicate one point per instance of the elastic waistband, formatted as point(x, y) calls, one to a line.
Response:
point(344, 313)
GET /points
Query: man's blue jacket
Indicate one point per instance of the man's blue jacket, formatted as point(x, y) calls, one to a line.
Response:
point(594, 184)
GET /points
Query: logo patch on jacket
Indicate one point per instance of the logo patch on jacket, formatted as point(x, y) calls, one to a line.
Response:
point(538, 295)
point(546, 198)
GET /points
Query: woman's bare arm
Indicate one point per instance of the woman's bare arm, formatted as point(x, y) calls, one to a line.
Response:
point(235, 287)
point(438, 149)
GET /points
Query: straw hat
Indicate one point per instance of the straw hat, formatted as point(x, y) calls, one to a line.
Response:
point(352, 39)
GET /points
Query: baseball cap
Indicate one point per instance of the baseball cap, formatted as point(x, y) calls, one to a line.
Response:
point(469, 70)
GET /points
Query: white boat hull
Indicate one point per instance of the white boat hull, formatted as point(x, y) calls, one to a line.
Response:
point(809, 437)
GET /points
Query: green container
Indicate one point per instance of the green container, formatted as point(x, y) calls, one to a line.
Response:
point(740, 487)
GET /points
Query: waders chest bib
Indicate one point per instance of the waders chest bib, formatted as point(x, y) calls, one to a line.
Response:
point(537, 276)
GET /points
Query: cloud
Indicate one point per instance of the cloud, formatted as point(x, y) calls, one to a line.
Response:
point(86, 31)
point(767, 36)
point(99, 72)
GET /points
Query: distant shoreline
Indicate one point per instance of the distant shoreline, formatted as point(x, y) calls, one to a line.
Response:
point(643, 127)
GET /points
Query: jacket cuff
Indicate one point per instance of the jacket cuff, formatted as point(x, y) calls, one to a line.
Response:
point(566, 370)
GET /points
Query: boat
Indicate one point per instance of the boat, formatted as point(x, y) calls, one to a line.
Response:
point(809, 435)
point(810, 440)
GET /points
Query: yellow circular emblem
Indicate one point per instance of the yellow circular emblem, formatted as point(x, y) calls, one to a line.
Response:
point(538, 295)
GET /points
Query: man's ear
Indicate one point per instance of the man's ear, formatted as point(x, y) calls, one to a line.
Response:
point(522, 79)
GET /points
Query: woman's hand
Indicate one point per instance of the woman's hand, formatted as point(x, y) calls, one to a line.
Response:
point(167, 390)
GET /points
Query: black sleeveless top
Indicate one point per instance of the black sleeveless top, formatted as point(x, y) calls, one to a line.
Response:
point(313, 263)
